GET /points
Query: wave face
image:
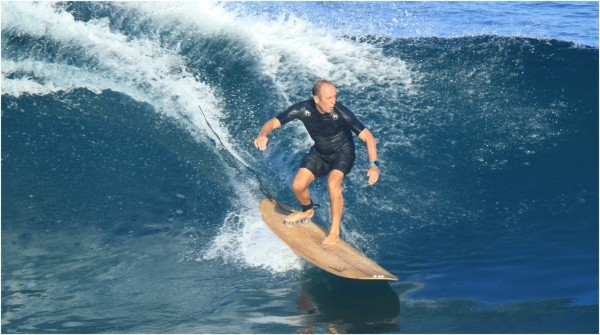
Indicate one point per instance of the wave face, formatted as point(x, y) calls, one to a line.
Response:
point(131, 186)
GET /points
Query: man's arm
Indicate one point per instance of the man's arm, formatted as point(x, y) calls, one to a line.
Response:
point(261, 140)
point(369, 139)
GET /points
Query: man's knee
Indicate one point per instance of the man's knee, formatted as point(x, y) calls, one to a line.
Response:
point(299, 185)
point(334, 182)
point(303, 178)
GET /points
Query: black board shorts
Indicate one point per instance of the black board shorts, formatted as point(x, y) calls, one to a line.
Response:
point(321, 164)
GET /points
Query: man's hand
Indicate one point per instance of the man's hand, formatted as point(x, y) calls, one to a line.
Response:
point(373, 174)
point(261, 142)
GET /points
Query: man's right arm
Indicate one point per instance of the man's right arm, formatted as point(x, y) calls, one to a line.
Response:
point(261, 140)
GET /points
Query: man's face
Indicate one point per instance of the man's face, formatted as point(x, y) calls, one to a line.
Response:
point(325, 101)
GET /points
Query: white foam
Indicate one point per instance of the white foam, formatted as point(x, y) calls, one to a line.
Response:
point(245, 239)
point(294, 52)
point(41, 78)
point(140, 68)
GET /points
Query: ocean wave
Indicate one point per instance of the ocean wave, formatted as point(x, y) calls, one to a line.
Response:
point(447, 112)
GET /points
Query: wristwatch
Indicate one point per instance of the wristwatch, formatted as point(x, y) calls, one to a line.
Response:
point(373, 163)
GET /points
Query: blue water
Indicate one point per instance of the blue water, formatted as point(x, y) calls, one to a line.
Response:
point(130, 185)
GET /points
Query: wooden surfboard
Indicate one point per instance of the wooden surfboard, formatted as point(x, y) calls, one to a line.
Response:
point(305, 240)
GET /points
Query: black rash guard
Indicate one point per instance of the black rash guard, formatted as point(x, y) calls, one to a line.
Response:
point(330, 131)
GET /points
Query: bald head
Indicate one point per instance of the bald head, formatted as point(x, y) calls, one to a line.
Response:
point(324, 95)
point(316, 90)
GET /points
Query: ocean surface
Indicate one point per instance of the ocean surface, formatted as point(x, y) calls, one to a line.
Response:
point(130, 185)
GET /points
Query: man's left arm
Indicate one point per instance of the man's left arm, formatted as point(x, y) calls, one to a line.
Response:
point(371, 143)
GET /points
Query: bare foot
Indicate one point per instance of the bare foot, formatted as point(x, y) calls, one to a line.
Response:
point(299, 216)
point(331, 239)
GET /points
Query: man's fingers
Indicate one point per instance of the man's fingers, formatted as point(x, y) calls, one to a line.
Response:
point(261, 143)
point(373, 175)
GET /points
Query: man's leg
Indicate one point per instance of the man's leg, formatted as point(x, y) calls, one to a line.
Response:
point(336, 199)
point(300, 185)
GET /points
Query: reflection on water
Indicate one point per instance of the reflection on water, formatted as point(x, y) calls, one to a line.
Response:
point(346, 305)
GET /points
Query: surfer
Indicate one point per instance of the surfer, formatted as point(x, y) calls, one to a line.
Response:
point(330, 124)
